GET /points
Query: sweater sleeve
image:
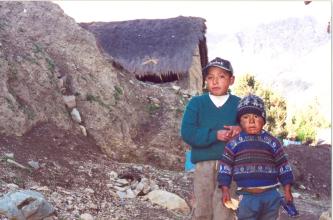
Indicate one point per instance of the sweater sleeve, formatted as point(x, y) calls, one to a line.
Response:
point(285, 172)
point(192, 134)
point(224, 176)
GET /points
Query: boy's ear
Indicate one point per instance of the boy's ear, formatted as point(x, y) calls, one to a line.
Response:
point(205, 85)
point(232, 80)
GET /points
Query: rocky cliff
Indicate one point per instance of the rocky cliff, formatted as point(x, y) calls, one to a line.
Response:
point(52, 71)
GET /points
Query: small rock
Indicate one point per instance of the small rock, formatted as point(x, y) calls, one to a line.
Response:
point(92, 206)
point(83, 130)
point(121, 189)
point(89, 191)
point(122, 182)
point(130, 194)
point(134, 184)
point(9, 155)
point(66, 192)
point(113, 175)
point(121, 194)
point(34, 164)
point(60, 83)
point(69, 101)
point(176, 88)
point(153, 186)
point(326, 215)
point(86, 216)
point(16, 163)
point(154, 100)
point(43, 188)
point(12, 186)
point(76, 115)
point(302, 187)
point(138, 167)
point(296, 195)
point(168, 200)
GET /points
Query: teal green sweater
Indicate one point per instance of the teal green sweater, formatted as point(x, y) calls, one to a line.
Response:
point(201, 121)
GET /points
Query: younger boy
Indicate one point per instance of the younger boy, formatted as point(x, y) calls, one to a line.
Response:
point(256, 161)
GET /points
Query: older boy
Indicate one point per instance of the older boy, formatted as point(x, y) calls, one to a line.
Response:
point(208, 122)
point(256, 161)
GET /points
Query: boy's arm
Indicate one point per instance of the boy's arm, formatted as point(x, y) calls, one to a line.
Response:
point(287, 193)
point(224, 175)
point(285, 176)
point(225, 194)
point(191, 133)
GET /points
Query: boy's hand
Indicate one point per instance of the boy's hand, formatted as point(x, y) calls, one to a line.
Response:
point(235, 130)
point(225, 194)
point(287, 193)
point(224, 135)
point(228, 133)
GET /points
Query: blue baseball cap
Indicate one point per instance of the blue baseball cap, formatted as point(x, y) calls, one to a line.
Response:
point(218, 62)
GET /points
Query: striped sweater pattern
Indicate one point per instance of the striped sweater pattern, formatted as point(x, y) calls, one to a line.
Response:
point(254, 161)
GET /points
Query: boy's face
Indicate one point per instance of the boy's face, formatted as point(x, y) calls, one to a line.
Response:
point(251, 123)
point(218, 81)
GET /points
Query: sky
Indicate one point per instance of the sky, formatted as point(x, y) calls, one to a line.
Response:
point(231, 15)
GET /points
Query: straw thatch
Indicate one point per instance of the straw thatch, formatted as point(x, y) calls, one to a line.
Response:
point(159, 47)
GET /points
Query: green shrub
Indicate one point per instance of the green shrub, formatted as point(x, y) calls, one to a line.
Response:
point(304, 124)
point(276, 106)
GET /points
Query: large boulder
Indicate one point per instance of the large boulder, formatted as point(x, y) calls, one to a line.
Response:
point(25, 205)
point(47, 57)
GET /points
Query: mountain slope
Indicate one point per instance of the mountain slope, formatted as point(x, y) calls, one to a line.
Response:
point(292, 56)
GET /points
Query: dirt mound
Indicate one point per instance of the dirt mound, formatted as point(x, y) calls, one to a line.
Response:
point(312, 168)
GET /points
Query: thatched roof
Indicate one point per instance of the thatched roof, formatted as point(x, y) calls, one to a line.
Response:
point(152, 46)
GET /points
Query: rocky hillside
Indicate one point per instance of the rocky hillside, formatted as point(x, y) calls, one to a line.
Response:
point(53, 71)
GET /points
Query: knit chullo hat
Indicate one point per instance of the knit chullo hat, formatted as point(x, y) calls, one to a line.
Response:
point(251, 104)
point(218, 62)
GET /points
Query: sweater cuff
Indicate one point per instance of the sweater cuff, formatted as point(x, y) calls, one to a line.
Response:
point(287, 178)
point(212, 135)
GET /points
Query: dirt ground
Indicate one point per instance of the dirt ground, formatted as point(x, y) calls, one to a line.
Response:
point(70, 164)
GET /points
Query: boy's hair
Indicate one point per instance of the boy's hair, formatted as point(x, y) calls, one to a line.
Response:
point(218, 62)
point(251, 104)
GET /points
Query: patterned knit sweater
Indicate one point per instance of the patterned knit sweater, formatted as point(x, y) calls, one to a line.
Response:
point(254, 161)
